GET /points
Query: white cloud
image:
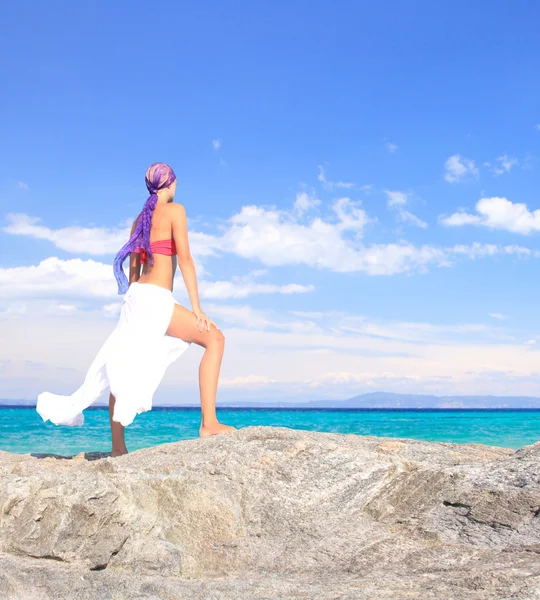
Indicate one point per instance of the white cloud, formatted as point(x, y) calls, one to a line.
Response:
point(56, 278)
point(78, 240)
point(111, 310)
point(537, 127)
point(369, 379)
point(391, 147)
point(498, 213)
point(503, 164)
point(21, 185)
point(350, 215)
point(417, 331)
point(305, 202)
point(330, 185)
point(497, 316)
point(395, 197)
point(88, 279)
point(273, 238)
point(247, 381)
point(477, 250)
point(12, 311)
point(67, 307)
point(408, 217)
point(398, 200)
point(247, 317)
point(216, 144)
point(460, 218)
point(230, 289)
point(458, 169)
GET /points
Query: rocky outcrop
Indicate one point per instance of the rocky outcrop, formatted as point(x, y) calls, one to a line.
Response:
point(274, 513)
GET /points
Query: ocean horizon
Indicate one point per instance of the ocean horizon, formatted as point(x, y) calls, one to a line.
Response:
point(23, 431)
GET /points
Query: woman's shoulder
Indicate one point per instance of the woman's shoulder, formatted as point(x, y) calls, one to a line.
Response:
point(175, 206)
point(176, 209)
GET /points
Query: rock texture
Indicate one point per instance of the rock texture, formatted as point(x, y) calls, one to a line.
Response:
point(274, 513)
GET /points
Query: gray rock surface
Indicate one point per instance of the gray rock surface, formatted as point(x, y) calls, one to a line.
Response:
point(274, 513)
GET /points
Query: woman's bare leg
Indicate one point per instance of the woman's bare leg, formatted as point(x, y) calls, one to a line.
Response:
point(117, 432)
point(183, 326)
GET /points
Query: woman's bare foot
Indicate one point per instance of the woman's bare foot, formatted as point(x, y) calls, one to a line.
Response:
point(215, 429)
point(119, 451)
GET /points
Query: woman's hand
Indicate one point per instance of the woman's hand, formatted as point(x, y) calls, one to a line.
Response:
point(203, 321)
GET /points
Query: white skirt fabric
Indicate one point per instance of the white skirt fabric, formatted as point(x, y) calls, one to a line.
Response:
point(131, 362)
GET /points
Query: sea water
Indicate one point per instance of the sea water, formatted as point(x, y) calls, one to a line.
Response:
point(23, 431)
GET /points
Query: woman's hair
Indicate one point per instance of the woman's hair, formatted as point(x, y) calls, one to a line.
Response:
point(158, 176)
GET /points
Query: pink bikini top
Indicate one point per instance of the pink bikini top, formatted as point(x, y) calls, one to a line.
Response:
point(166, 247)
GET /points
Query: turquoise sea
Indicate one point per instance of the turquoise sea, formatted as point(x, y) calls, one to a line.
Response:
point(23, 431)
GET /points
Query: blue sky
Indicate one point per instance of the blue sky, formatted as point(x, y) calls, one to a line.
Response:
point(360, 182)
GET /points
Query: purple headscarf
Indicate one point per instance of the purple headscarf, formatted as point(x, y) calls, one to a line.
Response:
point(158, 176)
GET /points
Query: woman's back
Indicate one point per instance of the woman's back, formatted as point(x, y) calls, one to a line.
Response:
point(162, 271)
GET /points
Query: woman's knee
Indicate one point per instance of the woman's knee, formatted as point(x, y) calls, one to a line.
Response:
point(217, 336)
point(212, 340)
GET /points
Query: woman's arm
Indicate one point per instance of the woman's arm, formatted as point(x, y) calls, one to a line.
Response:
point(185, 261)
point(134, 261)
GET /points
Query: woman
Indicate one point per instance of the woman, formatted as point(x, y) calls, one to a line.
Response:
point(154, 329)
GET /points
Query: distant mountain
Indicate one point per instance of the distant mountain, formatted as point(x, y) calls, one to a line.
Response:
point(389, 400)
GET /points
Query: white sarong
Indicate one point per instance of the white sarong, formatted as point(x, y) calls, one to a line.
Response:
point(131, 362)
